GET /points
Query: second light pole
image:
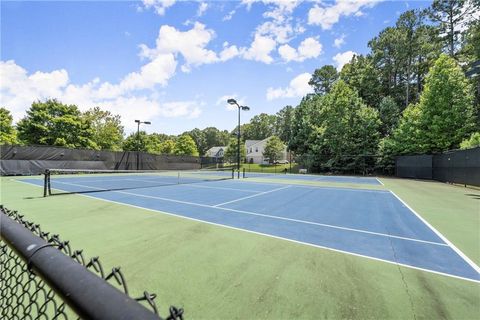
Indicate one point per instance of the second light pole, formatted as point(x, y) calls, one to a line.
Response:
point(138, 140)
point(244, 108)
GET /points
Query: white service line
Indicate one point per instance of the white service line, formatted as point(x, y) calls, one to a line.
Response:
point(303, 186)
point(271, 236)
point(219, 188)
point(252, 196)
point(274, 217)
point(441, 236)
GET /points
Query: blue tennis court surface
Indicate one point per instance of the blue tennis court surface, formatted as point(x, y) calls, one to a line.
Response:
point(369, 223)
point(311, 177)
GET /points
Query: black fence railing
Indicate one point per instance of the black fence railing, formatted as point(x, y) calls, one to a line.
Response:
point(43, 278)
point(456, 166)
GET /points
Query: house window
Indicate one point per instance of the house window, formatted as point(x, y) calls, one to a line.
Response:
point(250, 150)
point(256, 149)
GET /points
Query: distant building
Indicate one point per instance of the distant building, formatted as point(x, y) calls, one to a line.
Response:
point(216, 152)
point(255, 150)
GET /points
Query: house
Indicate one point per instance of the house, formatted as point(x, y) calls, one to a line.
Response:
point(255, 150)
point(216, 152)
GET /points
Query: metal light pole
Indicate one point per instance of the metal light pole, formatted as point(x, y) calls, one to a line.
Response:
point(138, 140)
point(244, 108)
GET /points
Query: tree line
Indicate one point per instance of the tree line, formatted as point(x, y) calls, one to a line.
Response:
point(56, 124)
point(408, 94)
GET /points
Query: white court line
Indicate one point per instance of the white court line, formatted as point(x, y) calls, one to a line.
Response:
point(220, 188)
point(380, 181)
point(272, 236)
point(269, 216)
point(303, 186)
point(252, 196)
point(451, 245)
point(194, 185)
point(318, 177)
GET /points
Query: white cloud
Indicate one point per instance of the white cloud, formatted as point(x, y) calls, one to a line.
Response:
point(308, 48)
point(18, 89)
point(260, 49)
point(131, 98)
point(189, 109)
point(343, 58)
point(158, 71)
point(230, 52)
point(229, 15)
point(280, 26)
point(281, 5)
point(340, 41)
point(288, 53)
point(327, 16)
point(191, 45)
point(298, 87)
point(277, 30)
point(202, 7)
point(280, 32)
point(160, 6)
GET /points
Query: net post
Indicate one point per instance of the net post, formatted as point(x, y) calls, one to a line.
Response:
point(178, 177)
point(233, 173)
point(45, 183)
point(49, 185)
point(243, 173)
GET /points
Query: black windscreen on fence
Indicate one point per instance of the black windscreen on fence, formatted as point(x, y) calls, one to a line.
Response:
point(458, 166)
point(28, 160)
point(418, 166)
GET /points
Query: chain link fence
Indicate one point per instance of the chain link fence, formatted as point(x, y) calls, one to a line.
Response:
point(31, 288)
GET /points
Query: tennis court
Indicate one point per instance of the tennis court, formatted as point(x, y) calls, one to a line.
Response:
point(310, 177)
point(374, 224)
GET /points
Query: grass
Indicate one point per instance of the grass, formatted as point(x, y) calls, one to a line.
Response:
point(219, 273)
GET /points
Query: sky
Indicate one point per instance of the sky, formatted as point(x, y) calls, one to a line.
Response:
point(175, 63)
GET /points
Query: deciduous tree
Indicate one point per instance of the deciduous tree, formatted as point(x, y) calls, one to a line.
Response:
point(231, 152)
point(273, 149)
point(107, 128)
point(56, 124)
point(8, 134)
point(185, 146)
point(389, 113)
point(472, 142)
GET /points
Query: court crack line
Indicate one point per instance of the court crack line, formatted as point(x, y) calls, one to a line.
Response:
point(395, 257)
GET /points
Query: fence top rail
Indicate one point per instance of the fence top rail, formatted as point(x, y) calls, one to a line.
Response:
point(90, 296)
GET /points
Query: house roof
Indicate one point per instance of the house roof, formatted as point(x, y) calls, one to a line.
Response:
point(215, 150)
point(250, 143)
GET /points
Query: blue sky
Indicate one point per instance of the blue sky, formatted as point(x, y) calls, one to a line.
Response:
point(175, 63)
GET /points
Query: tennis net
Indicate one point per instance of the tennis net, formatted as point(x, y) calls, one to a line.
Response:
point(61, 181)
